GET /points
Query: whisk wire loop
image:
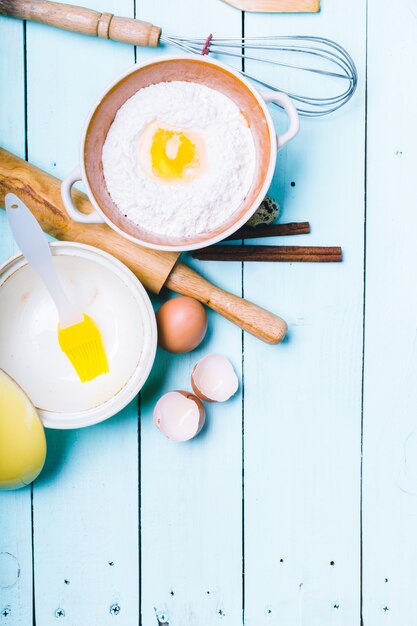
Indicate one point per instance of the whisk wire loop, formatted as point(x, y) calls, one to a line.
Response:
point(336, 63)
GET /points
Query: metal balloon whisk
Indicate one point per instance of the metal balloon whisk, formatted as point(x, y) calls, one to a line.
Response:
point(313, 55)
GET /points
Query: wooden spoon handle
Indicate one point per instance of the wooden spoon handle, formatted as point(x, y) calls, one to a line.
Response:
point(276, 6)
point(82, 20)
point(252, 318)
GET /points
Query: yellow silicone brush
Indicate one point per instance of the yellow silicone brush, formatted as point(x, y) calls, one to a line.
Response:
point(78, 335)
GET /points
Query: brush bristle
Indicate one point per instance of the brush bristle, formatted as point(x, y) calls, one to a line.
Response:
point(89, 360)
point(83, 346)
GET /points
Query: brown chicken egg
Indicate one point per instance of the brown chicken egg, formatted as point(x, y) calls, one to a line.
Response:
point(182, 324)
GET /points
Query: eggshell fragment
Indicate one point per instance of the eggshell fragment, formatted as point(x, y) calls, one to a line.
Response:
point(179, 415)
point(214, 379)
point(182, 324)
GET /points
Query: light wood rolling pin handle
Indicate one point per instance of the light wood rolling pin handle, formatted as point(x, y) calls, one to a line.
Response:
point(252, 318)
point(82, 20)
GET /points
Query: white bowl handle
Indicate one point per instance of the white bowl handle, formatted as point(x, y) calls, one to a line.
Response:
point(287, 104)
point(73, 212)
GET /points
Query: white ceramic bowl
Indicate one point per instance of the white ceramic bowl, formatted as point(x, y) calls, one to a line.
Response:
point(29, 351)
point(192, 68)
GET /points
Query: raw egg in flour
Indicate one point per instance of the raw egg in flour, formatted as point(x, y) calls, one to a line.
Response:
point(170, 154)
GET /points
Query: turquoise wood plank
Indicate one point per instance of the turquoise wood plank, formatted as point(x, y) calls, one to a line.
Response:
point(12, 108)
point(191, 493)
point(66, 74)
point(85, 525)
point(86, 502)
point(303, 398)
point(15, 558)
point(390, 400)
point(15, 506)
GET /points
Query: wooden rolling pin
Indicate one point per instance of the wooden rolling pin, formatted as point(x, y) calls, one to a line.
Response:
point(41, 192)
point(83, 20)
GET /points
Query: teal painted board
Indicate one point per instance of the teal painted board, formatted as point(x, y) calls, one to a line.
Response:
point(15, 506)
point(86, 501)
point(66, 74)
point(12, 78)
point(191, 524)
point(390, 400)
point(303, 398)
point(95, 505)
point(85, 525)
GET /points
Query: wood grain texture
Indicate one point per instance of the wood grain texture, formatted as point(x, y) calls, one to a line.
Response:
point(303, 401)
point(276, 6)
point(83, 20)
point(15, 506)
point(390, 391)
point(86, 500)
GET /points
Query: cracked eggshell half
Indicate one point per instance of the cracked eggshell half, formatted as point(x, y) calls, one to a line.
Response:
point(179, 415)
point(214, 379)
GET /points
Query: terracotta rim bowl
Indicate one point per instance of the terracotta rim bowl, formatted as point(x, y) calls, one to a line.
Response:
point(165, 69)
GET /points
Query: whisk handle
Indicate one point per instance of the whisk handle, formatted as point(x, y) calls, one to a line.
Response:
point(287, 104)
point(83, 20)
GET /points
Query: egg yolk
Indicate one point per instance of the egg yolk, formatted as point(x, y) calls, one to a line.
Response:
point(172, 154)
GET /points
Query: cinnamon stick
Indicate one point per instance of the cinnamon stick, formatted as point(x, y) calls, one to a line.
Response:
point(270, 230)
point(292, 254)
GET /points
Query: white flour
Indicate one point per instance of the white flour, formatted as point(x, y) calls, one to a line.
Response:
point(180, 209)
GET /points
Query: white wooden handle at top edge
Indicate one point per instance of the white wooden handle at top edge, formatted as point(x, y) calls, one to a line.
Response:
point(83, 20)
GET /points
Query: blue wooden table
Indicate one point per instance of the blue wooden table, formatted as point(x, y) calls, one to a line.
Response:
point(297, 504)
